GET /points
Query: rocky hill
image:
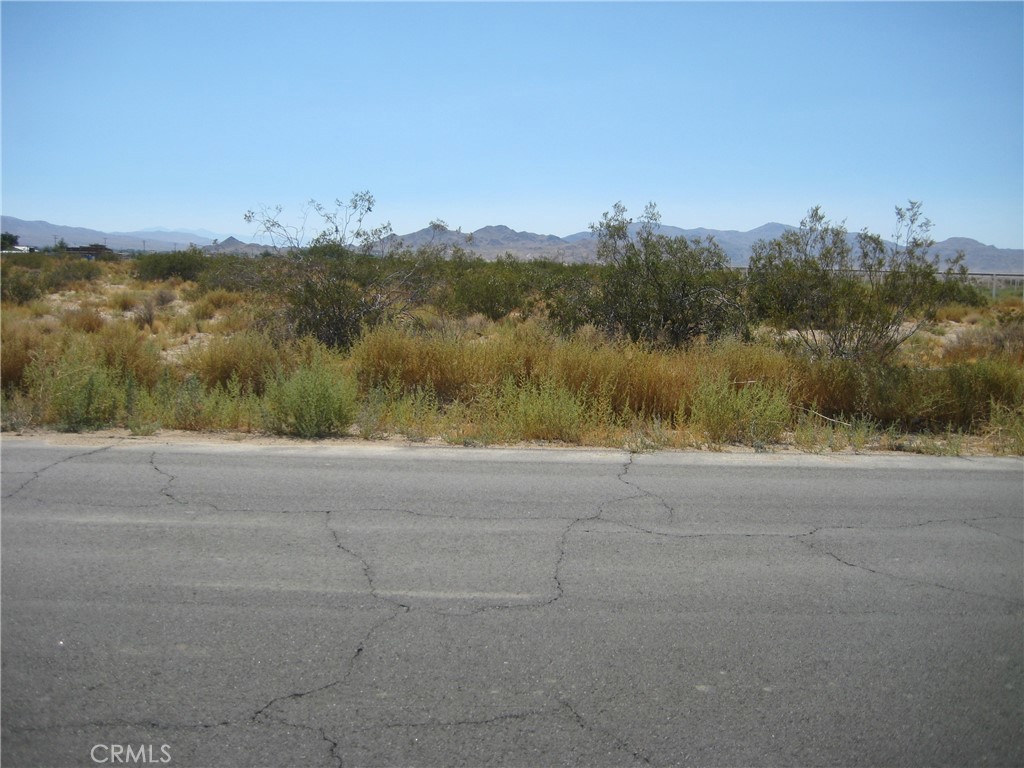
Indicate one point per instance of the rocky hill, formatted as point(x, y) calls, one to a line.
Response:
point(488, 242)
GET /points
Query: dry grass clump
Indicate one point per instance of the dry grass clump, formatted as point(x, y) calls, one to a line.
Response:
point(956, 313)
point(125, 301)
point(129, 352)
point(164, 295)
point(1004, 341)
point(19, 338)
point(249, 357)
point(84, 320)
point(210, 303)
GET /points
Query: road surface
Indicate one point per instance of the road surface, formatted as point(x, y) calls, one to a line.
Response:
point(363, 605)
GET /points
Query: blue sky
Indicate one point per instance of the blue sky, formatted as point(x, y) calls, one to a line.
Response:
point(540, 116)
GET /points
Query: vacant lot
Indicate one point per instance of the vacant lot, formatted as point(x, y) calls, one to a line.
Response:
point(471, 353)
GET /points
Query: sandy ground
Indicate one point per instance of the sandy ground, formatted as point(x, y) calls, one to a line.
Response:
point(354, 440)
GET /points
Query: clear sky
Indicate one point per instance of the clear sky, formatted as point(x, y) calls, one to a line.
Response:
point(539, 116)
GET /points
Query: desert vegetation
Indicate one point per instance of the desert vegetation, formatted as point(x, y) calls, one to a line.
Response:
point(828, 343)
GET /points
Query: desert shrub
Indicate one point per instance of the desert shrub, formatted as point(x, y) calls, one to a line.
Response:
point(955, 288)
point(1005, 429)
point(513, 411)
point(844, 304)
point(572, 302)
point(145, 314)
point(183, 402)
point(164, 296)
point(310, 402)
point(32, 260)
point(239, 274)
point(19, 285)
point(333, 301)
point(85, 320)
point(251, 357)
point(65, 271)
point(727, 412)
point(207, 305)
point(18, 340)
point(124, 301)
point(129, 353)
point(662, 289)
point(972, 390)
point(77, 392)
point(185, 265)
point(1004, 340)
point(490, 288)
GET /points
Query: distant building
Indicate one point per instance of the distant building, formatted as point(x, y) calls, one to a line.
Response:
point(91, 251)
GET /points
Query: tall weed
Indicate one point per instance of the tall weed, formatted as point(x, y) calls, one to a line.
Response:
point(310, 403)
point(78, 393)
point(755, 414)
point(129, 352)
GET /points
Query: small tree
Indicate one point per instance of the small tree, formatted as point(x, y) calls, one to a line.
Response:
point(855, 298)
point(332, 287)
point(8, 241)
point(659, 288)
point(341, 228)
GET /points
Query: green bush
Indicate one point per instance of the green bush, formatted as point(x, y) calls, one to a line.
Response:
point(240, 274)
point(186, 265)
point(63, 272)
point(333, 300)
point(20, 285)
point(183, 402)
point(974, 390)
point(668, 290)
point(855, 303)
point(529, 410)
point(727, 412)
point(78, 392)
point(129, 353)
point(311, 402)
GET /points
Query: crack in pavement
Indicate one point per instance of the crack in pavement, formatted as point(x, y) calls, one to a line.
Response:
point(619, 742)
point(459, 723)
point(264, 714)
point(597, 515)
point(37, 472)
point(154, 724)
point(166, 492)
point(563, 706)
point(885, 574)
point(643, 493)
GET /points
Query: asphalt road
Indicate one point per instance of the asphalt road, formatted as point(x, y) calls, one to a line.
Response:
point(362, 605)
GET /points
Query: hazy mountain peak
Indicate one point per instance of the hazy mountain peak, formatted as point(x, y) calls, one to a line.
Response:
point(490, 242)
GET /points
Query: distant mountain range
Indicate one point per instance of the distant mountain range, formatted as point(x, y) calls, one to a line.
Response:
point(488, 242)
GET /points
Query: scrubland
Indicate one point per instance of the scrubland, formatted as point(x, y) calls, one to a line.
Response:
point(454, 349)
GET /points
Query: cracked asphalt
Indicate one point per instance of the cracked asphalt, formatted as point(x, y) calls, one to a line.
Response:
point(366, 605)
